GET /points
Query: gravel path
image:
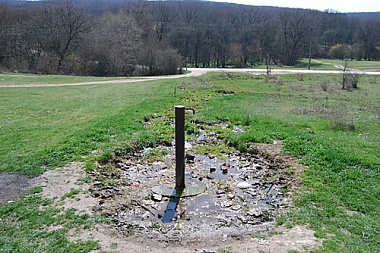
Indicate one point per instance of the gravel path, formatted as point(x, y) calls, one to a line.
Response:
point(193, 72)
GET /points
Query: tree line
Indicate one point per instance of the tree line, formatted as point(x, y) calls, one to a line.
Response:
point(139, 37)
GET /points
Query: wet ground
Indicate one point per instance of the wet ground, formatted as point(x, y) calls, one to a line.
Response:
point(12, 185)
point(239, 193)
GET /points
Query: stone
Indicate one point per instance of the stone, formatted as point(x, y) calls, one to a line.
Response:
point(203, 251)
point(188, 146)
point(242, 219)
point(226, 204)
point(230, 196)
point(254, 212)
point(156, 197)
point(244, 185)
point(190, 157)
point(219, 192)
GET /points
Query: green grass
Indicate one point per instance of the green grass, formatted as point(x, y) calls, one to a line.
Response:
point(43, 127)
point(11, 78)
point(26, 227)
point(325, 64)
point(334, 132)
point(354, 64)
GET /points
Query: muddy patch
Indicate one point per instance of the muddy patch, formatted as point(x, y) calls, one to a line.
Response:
point(237, 193)
point(12, 186)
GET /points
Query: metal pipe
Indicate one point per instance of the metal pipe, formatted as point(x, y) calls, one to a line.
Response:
point(180, 147)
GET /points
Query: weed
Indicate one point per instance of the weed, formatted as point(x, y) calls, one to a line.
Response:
point(71, 194)
point(84, 180)
point(114, 245)
point(259, 236)
point(289, 225)
point(144, 140)
point(105, 156)
point(156, 154)
point(225, 250)
point(290, 171)
point(280, 221)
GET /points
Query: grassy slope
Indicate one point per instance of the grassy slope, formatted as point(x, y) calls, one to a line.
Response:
point(42, 127)
point(325, 64)
point(45, 127)
point(11, 78)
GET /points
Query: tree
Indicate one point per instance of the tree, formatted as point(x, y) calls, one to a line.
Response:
point(113, 46)
point(370, 37)
point(293, 35)
point(4, 23)
point(62, 28)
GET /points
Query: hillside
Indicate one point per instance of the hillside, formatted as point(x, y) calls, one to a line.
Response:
point(124, 38)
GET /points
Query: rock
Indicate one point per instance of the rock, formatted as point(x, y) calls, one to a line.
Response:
point(147, 151)
point(254, 212)
point(159, 166)
point(190, 158)
point(242, 219)
point(156, 197)
point(230, 196)
point(244, 185)
point(188, 145)
point(146, 216)
point(203, 251)
point(220, 192)
point(226, 204)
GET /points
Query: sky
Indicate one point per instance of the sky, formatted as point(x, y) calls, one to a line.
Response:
point(322, 5)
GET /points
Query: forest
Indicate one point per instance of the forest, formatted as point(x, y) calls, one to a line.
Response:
point(139, 37)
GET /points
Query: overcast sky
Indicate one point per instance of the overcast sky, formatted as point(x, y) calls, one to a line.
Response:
point(338, 5)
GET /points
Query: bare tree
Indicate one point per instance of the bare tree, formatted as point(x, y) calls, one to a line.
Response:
point(3, 32)
point(294, 30)
point(370, 36)
point(63, 26)
point(115, 45)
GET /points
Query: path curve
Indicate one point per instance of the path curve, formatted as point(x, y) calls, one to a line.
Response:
point(193, 72)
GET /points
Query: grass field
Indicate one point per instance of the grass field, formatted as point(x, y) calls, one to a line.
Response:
point(14, 78)
point(334, 132)
point(325, 64)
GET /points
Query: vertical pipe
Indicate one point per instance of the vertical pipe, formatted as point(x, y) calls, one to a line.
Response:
point(180, 147)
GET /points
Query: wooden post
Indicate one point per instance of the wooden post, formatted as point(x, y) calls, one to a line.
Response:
point(180, 147)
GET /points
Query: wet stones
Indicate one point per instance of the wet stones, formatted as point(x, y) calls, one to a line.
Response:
point(243, 185)
point(156, 197)
point(243, 191)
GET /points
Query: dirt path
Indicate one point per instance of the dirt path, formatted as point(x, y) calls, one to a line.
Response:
point(193, 72)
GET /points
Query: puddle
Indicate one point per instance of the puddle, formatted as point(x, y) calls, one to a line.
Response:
point(240, 193)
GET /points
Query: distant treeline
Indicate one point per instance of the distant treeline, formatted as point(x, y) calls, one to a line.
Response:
point(137, 37)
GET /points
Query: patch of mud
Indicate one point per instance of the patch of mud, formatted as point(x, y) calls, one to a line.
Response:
point(243, 193)
point(12, 186)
